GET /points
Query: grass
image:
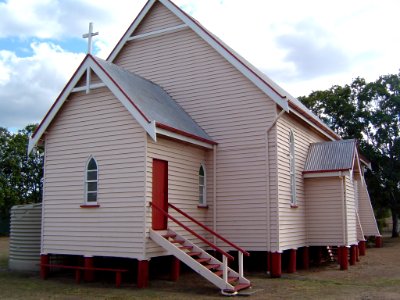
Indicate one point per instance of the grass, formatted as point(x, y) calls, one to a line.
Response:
point(377, 276)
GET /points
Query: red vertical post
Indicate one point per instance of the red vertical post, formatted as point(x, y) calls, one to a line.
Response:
point(344, 258)
point(143, 274)
point(175, 268)
point(339, 255)
point(306, 258)
point(353, 255)
point(118, 279)
point(292, 261)
point(378, 241)
point(276, 264)
point(44, 270)
point(362, 247)
point(88, 274)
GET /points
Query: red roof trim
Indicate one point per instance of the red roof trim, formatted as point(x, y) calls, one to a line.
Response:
point(184, 133)
point(59, 96)
point(227, 50)
point(325, 171)
point(120, 88)
point(312, 120)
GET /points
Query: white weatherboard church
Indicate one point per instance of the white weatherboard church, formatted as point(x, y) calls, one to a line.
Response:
point(175, 129)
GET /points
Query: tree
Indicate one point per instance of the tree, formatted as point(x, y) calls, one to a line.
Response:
point(369, 112)
point(385, 138)
point(20, 174)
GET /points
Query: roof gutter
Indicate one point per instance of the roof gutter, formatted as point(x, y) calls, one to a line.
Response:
point(267, 181)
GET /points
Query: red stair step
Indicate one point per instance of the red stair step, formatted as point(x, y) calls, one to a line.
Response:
point(193, 253)
point(233, 279)
point(169, 235)
point(219, 272)
point(242, 286)
point(178, 241)
point(186, 247)
point(201, 260)
point(212, 266)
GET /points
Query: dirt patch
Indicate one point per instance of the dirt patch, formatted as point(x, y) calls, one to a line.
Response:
point(376, 276)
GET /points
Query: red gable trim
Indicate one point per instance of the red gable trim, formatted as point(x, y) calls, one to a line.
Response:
point(59, 97)
point(315, 122)
point(184, 133)
point(227, 50)
point(121, 90)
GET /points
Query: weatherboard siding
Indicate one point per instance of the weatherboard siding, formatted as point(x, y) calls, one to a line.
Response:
point(94, 124)
point(233, 112)
point(324, 216)
point(365, 211)
point(183, 186)
point(351, 212)
point(292, 221)
point(158, 18)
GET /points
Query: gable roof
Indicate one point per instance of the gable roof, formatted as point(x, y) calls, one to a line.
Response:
point(331, 156)
point(282, 98)
point(148, 103)
point(153, 101)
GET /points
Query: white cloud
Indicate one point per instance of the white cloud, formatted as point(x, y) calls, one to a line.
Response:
point(31, 84)
point(303, 45)
point(60, 20)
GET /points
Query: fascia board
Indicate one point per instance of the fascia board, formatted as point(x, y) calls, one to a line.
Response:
point(148, 126)
point(282, 102)
point(57, 105)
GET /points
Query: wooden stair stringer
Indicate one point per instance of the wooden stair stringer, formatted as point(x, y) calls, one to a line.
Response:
point(213, 277)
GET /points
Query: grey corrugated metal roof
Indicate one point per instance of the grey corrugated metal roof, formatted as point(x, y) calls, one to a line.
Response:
point(152, 100)
point(330, 156)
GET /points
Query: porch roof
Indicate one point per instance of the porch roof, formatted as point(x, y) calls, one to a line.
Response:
point(330, 156)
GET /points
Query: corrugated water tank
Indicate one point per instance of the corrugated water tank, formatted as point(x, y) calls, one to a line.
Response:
point(25, 232)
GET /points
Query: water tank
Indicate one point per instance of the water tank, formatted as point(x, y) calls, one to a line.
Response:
point(25, 232)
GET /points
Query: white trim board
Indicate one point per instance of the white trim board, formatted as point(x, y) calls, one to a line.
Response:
point(281, 101)
point(183, 138)
point(326, 174)
point(157, 33)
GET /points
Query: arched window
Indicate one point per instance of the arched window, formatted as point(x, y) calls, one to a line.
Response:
point(292, 164)
point(91, 180)
point(202, 186)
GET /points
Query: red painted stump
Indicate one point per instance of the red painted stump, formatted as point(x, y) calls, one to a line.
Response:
point(276, 265)
point(143, 274)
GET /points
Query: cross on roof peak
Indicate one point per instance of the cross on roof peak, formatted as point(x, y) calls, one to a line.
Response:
point(89, 36)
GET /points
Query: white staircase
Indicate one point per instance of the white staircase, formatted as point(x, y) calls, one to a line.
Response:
point(215, 271)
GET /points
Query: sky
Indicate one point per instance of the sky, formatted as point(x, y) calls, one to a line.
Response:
point(303, 46)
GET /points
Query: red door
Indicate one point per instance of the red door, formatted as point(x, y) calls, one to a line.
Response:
point(160, 193)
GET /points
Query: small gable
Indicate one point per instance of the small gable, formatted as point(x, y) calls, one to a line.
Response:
point(159, 17)
point(147, 102)
point(330, 156)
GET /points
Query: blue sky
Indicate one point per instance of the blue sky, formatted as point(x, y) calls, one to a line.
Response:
point(302, 45)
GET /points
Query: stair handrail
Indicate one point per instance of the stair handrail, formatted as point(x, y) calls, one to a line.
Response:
point(224, 253)
point(209, 230)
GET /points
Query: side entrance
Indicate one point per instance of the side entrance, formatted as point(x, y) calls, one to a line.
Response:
point(160, 193)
